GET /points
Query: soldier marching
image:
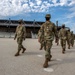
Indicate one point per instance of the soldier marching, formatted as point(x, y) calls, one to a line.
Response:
point(20, 34)
point(47, 30)
point(46, 35)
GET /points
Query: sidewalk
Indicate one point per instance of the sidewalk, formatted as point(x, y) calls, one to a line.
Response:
point(31, 62)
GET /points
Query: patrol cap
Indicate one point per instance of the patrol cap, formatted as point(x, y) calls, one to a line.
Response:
point(20, 21)
point(48, 15)
point(63, 25)
point(68, 29)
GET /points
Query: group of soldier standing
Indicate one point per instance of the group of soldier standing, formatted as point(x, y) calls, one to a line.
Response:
point(46, 34)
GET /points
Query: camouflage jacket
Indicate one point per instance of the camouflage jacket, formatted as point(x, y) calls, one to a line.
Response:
point(47, 30)
point(68, 35)
point(63, 33)
point(72, 36)
point(42, 37)
point(20, 32)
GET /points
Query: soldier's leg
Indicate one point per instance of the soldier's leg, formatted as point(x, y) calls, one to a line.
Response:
point(45, 46)
point(24, 49)
point(41, 46)
point(68, 43)
point(61, 42)
point(19, 47)
point(64, 45)
point(48, 49)
point(47, 53)
point(55, 40)
point(58, 42)
point(72, 43)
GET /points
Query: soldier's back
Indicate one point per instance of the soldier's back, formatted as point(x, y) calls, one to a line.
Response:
point(63, 32)
point(48, 30)
point(19, 30)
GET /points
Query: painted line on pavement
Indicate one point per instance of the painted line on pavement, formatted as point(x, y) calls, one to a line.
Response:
point(40, 55)
point(59, 59)
point(48, 69)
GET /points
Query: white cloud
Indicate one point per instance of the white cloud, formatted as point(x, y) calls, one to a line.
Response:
point(15, 7)
point(72, 12)
point(38, 2)
point(31, 4)
point(71, 15)
point(71, 3)
point(54, 1)
point(68, 23)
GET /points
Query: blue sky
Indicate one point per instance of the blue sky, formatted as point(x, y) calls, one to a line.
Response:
point(28, 10)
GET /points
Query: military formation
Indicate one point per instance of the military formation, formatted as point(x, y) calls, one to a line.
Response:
point(46, 35)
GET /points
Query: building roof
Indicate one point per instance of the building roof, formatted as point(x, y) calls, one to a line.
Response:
point(15, 23)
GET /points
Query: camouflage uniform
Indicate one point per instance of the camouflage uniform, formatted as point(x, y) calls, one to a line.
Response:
point(57, 38)
point(47, 30)
point(41, 40)
point(20, 34)
point(63, 37)
point(68, 38)
point(72, 39)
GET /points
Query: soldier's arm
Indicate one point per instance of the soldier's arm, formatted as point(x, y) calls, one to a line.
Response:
point(60, 34)
point(15, 34)
point(73, 36)
point(55, 30)
point(41, 33)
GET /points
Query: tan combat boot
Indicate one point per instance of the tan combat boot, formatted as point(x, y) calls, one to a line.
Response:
point(17, 54)
point(24, 49)
point(68, 47)
point(45, 65)
point(63, 51)
point(72, 45)
point(57, 43)
point(50, 58)
point(41, 47)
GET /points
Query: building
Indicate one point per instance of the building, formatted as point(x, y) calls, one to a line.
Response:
point(9, 26)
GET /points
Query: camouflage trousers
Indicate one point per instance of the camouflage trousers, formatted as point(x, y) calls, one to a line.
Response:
point(48, 46)
point(68, 42)
point(57, 41)
point(63, 43)
point(19, 42)
point(72, 42)
point(42, 44)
